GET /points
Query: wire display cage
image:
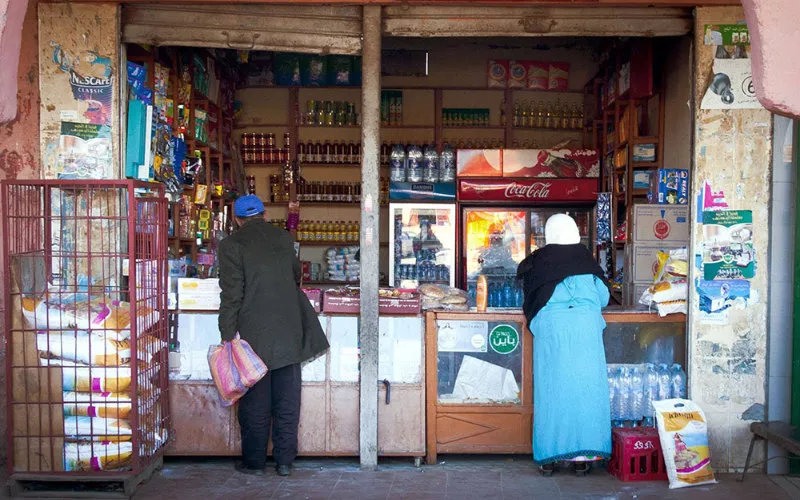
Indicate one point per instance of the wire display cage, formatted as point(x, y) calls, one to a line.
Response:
point(85, 270)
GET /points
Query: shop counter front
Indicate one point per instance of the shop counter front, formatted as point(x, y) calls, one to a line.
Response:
point(479, 373)
point(329, 412)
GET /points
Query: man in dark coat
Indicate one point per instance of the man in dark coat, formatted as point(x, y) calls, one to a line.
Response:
point(259, 275)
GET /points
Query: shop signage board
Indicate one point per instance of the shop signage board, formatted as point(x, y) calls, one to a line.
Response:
point(422, 191)
point(504, 339)
point(462, 336)
point(528, 190)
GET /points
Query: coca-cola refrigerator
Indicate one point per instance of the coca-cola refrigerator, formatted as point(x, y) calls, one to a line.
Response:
point(503, 220)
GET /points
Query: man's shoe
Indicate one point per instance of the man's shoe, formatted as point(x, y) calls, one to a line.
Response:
point(284, 470)
point(244, 469)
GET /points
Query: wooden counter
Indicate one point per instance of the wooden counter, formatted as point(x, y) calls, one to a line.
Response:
point(458, 427)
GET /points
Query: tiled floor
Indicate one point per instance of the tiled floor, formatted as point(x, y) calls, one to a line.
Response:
point(456, 477)
point(493, 478)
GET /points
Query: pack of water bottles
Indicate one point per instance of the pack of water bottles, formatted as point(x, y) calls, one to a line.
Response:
point(633, 388)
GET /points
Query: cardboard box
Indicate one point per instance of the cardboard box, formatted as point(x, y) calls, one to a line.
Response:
point(198, 294)
point(633, 292)
point(641, 179)
point(669, 187)
point(334, 301)
point(517, 74)
point(644, 153)
point(479, 163)
point(497, 74)
point(397, 305)
point(315, 297)
point(538, 74)
point(660, 223)
point(644, 261)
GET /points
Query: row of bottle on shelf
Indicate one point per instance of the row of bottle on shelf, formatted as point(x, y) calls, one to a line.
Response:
point(415, 163)
point(318, 191)
point(542, 115)
point(262, 148)
point(505, 293)
point(329, 114)
point(423, 272)
point(632, 389)
point(328, 231)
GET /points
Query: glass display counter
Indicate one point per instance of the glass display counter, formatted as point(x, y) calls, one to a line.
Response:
point(329, 412)
point(479, 373)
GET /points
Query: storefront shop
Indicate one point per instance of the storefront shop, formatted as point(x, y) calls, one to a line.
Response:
point(409, 151)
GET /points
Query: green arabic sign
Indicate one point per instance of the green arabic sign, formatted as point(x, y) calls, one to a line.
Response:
point(504, 339)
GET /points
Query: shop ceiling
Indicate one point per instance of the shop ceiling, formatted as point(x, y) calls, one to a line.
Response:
point(336, 29)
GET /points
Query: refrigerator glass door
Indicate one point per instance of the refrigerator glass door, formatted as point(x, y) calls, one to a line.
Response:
point(423, 244)
point(539, 217)
point(494, 244)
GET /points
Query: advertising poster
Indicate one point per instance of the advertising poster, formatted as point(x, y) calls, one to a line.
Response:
point(728, 252)
point(717, 296)
point(84, 151)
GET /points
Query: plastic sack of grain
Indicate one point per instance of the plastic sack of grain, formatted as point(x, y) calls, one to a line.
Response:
point(97, 456)
point(96, 429)
point(97, 404)
point(82, 378)
point(683, 432)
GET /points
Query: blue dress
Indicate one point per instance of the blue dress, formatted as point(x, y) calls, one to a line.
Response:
point(571, 410)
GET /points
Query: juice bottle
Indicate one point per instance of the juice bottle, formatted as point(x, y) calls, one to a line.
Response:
point(482, 294)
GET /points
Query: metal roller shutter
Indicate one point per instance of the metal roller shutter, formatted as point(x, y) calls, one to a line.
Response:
point(287, 28)
point(464, 21)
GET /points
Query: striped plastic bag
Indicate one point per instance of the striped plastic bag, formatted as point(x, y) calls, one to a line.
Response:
point(234, 368)
point(251, 368)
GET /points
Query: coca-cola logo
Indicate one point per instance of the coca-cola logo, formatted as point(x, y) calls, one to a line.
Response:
point(529, 192)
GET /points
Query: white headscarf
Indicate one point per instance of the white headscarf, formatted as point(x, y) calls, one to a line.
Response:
point(561, 230)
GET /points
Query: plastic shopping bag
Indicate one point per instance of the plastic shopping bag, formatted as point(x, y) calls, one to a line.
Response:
point(683, 432)
point(234, 368)
point(251, 368)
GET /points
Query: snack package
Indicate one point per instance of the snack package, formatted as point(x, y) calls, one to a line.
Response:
point(497, 74)
point(537, 74)
point(683, 432)
point(672, 265)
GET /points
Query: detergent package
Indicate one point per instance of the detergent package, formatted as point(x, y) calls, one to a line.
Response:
point(683, 432)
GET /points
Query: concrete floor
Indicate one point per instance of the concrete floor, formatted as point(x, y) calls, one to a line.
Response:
point(454, 477)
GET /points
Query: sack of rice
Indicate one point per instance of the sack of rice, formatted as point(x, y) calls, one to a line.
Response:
point(683, 432)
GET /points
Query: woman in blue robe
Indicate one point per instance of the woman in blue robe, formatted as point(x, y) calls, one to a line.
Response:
point(565, 291)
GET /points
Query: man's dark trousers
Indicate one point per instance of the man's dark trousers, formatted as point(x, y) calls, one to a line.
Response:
point(274, 399)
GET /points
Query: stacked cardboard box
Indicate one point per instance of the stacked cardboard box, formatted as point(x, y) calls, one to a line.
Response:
point(655, 228)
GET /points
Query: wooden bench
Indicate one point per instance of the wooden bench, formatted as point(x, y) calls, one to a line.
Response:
point(780, 434)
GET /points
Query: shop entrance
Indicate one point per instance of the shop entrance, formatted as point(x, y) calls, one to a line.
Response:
point(483, 135)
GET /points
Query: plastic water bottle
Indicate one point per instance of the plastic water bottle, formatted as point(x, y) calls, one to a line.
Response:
point(397, 172)
point(650, 393)
point(613, 395)
point(624, 394)
point(520, 297)
point(678, 382)
point(637, 395)
point(664, 382)
point(508, 295)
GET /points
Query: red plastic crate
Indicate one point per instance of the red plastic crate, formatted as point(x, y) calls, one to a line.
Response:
point(636, 455)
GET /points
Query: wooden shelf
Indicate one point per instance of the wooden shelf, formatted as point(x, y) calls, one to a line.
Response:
point(329, 127)
point(241, 126)
point(550, 129)
point(644, 165)
point(383, 244)
point(402, 127)
point(638, 193)
point(313, 165)
point(473, 127)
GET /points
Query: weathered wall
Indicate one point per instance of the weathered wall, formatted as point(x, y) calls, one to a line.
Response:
point(19, 155)
point(728, 352)
point(79, 53)
point(11, 18)
point(773, 28)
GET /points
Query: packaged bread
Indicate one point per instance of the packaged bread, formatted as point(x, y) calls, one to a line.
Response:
point(430, 290)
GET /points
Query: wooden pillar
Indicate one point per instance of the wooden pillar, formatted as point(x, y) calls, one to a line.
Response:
point(370, 214)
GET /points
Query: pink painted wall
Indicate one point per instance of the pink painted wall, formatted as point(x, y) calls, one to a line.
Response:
point(19, 144)
point(11, 16)
point(775, 38)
